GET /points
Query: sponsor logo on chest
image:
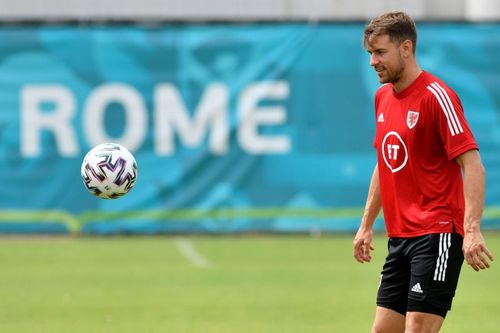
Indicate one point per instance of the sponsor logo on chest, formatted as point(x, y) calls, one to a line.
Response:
point(394, 149)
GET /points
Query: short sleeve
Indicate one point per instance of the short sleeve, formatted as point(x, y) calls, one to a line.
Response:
point(449, 118)
point(377, 98)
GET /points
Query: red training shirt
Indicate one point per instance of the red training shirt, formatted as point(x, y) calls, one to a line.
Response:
point(419, 133)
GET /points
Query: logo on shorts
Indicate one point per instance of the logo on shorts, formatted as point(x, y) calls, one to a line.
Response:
point(417, 289)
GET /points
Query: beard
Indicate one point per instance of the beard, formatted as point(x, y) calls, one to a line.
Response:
point(394, 74)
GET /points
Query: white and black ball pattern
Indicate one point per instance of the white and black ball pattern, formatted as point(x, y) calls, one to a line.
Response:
point(109, 171)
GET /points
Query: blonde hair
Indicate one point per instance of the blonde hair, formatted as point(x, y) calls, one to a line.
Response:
point(399, 26)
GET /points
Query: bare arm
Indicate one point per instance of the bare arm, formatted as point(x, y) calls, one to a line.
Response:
point(475, 251)
point(362, 243)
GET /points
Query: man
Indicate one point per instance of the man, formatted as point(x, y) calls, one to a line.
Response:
point(429, 180)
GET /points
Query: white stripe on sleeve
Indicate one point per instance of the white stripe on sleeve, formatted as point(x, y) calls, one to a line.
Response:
point(445, 110)
point(451, 108)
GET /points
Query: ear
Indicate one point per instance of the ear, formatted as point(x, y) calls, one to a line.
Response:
point(407, 47)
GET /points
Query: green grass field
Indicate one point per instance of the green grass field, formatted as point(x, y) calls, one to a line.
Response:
point(210, 284)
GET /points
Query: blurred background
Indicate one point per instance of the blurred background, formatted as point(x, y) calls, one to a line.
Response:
point(243, 116)
point(246, 118)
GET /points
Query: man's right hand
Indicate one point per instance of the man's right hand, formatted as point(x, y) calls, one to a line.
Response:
point(362, 245)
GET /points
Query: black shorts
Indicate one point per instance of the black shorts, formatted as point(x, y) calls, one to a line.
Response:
point(421, 274)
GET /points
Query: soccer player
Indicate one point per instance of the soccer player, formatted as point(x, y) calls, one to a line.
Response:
point(429, 181)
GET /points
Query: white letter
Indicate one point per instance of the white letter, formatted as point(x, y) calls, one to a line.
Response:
point(135, 112)
point(58, 120)
point(171, 115)
point(251, 116)
point(393, 148)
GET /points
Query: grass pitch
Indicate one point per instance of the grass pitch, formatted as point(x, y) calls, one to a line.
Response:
point(255, 284)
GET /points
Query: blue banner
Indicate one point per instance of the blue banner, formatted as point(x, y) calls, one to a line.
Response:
point(235, 127)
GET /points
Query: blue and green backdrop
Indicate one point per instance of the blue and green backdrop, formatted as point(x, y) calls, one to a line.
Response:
point(235, 127)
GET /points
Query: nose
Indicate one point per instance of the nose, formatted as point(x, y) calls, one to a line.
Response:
point(373, 59)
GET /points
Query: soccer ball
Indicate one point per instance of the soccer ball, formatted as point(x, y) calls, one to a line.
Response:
point(109, 171)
